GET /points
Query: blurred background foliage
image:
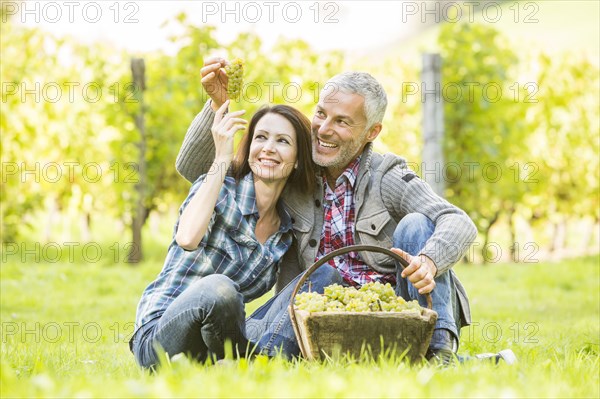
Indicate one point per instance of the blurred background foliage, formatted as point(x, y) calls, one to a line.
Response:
point(541, 133)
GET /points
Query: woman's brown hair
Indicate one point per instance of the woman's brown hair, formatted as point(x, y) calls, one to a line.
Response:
point(302, 178)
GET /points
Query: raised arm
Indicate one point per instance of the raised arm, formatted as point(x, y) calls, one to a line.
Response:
point(198, 150)
point(195, 218)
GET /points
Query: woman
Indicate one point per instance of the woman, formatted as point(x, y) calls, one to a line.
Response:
point(231, 234)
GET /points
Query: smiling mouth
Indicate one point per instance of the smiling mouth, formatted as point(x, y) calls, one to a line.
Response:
point(268, 162)
point(327, 145)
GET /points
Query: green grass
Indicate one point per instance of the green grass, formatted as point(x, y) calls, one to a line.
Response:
point(65, 328)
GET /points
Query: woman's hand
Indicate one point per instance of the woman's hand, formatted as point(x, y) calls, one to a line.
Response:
point(214, 80)
point(223, 130)
point(194, 220)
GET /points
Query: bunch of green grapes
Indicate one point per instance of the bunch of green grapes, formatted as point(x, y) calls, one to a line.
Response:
point(311, 301)
point(235, 74)
point(371, 297)
point(334, 306)
point(335, 292)
point(385, 292)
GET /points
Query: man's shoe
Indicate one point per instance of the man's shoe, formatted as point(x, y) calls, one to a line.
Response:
point(506, 355)
point(441, 357)
point(442, 348)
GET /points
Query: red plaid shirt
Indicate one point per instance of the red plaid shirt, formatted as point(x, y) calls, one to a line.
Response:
point(338, 230)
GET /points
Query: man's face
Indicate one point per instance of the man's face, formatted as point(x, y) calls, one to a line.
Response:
point(339, 131)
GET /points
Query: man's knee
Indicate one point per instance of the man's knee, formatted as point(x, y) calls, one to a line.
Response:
point(414, 218)
point(412, 232)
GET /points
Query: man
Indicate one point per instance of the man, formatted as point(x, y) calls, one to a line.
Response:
point(362, 198)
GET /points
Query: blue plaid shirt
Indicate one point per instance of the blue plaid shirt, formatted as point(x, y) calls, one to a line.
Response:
point(229, 247)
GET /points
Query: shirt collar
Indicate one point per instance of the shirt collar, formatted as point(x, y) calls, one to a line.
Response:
point(350, 174)
point(245, 192)
point(351, 171)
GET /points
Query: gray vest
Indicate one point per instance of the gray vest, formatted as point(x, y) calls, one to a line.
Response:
point(373, 224)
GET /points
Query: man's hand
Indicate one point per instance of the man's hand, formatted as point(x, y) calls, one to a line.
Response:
point(420, 271)
point(214, 80)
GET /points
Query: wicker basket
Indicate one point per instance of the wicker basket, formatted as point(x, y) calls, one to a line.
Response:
point(322, 334)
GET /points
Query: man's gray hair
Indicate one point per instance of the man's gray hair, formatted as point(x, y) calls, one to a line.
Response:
point(368, 87)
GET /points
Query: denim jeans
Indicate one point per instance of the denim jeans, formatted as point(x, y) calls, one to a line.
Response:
point(212, 310)
point(270, 325)
point(196, 323)
point(410, 235)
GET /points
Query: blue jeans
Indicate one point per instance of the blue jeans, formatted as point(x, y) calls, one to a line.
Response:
point(197, 323)
point(410, 235)
point(212, 310)
point(270, 325)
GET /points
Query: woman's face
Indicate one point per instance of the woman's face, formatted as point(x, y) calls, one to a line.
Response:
point(273, 149)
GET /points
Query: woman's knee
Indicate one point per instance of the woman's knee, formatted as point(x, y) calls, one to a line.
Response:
point(220, 284)
point(214, 290)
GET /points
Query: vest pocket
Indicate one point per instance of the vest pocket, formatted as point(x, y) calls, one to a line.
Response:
point(377, 229)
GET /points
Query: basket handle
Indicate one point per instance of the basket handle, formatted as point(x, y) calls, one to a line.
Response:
point(341, 251)
point(327, 258)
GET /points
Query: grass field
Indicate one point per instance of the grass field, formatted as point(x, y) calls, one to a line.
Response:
point(65, 328)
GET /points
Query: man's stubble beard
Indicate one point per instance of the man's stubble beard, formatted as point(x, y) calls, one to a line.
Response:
point(345, 155)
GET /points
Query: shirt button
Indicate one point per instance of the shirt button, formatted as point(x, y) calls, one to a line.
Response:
point(312, 242)
point(372, 227)
point(293, 220)
point(317, 203)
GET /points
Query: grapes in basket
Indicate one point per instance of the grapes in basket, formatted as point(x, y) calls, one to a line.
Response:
point(371, 297)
